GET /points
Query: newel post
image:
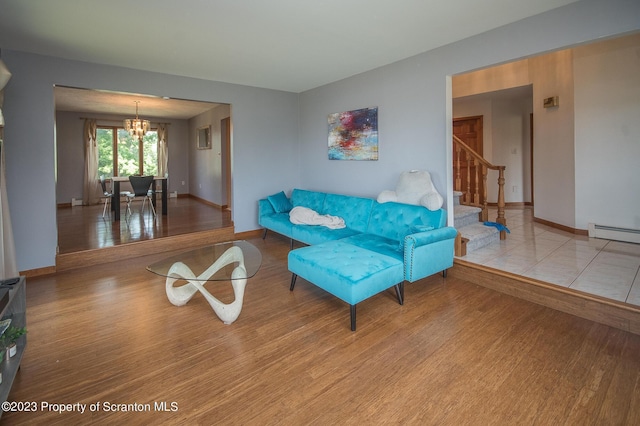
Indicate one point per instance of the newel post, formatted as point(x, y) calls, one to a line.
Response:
point(484, 214)
point(501, 219)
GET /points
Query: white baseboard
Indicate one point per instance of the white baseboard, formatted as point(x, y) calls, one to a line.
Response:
point(614, 233)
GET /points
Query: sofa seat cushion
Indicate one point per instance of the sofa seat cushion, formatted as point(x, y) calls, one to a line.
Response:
point(378, 244)
point(349, 272)
point(316, 234)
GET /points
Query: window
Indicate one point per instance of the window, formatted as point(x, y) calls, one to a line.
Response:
point(120, 154)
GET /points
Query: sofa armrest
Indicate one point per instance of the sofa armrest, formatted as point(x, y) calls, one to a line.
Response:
point(426, 253)
point(428, 237)
point(265, 208)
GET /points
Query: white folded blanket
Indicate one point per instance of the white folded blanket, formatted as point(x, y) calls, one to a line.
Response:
point(305, 216)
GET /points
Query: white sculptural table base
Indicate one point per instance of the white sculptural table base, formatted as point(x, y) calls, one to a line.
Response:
point(177, 271)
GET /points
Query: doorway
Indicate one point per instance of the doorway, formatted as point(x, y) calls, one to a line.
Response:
point(83, 228)
point(469, 130)
point(225, 131)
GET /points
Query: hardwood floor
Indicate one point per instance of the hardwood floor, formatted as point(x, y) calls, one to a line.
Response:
point(84, 228)
point(85, 238)
point(454, 353)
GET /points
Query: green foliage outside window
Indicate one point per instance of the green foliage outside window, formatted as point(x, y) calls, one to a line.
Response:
point(105, 152)
point(131, 160)
point(150, 153)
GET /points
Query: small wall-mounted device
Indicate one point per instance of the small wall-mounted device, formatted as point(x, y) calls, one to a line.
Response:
point(550, 102)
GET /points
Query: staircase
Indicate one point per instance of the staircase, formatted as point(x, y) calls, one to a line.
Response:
point(466, 221)
point(470, 199)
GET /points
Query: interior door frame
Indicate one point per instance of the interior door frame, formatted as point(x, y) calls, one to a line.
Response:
point(531, 154)
point(225, 126)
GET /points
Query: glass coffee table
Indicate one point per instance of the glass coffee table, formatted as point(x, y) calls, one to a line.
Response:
point(234, 261)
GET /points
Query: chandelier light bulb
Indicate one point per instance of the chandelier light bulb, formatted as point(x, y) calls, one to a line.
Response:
point(137, 127)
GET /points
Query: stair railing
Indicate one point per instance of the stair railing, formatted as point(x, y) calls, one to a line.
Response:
point(474, 196)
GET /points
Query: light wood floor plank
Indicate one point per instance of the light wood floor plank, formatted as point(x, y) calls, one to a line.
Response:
point(454, 353)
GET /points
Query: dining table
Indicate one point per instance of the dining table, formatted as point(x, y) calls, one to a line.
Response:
point(115, 186)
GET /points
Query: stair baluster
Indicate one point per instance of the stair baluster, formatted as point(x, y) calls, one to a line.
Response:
point(457, 168)
point(467, 195)
point(501, 219)
point(484, 215)
point(478, 198)
point(476, 192)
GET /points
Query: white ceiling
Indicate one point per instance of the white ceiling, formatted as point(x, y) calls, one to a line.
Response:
point(114, 103)
point(522, 92)
point(291, 45)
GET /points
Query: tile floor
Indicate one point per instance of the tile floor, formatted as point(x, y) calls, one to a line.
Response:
point(605, 268)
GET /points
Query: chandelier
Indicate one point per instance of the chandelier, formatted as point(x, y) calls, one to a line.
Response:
point(136, 127)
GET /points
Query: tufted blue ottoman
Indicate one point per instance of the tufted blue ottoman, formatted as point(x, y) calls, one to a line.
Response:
point(349, 272)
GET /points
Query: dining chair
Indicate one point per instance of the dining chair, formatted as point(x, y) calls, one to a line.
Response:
point(141, 186)
point(105, 194)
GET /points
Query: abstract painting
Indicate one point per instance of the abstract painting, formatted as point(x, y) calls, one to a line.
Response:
point(353, 135)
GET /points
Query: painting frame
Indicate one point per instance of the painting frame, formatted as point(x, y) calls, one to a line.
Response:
point(353, 135)
point(204, 137)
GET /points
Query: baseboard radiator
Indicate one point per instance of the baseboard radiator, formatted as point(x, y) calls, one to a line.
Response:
point(614, 233)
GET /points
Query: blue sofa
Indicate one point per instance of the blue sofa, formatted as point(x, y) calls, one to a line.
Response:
point(382, 246)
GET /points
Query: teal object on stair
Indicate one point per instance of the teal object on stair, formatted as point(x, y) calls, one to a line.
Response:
point(500, 226)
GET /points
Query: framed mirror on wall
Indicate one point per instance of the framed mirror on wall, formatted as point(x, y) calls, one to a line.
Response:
point(204, 137)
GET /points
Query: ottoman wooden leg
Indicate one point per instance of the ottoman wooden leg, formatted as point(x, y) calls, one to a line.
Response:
point(293, 281)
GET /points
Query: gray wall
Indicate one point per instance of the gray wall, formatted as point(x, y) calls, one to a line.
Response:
point(414, 100)
point(279, 138)
point(607, 110)
point(264, 140)
point(205, 165)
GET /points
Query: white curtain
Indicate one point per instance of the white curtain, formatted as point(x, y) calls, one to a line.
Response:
point(90, 190)
point(163, 150)
point(8, 266)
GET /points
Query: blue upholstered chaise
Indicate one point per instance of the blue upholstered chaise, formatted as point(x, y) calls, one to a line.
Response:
point(382, 246)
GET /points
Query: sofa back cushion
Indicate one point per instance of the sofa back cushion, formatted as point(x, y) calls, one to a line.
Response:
point(354, 210)
point(310, 199)
point(396, 220)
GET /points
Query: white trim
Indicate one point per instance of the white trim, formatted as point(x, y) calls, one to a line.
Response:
point(614, 233)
